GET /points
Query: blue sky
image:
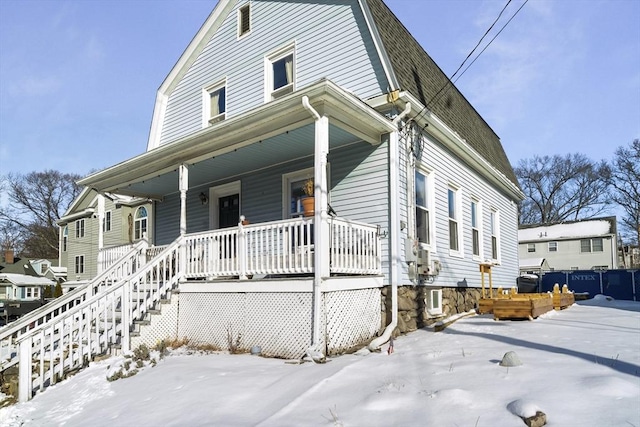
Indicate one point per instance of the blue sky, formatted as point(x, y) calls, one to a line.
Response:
point(78, 78)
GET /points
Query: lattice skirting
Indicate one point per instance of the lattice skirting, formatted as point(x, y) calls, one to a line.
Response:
point(352, 318)
point(280, 323)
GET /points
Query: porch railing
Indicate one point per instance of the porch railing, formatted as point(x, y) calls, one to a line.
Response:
point(128, 263)
point(281, 247)
point(71, 339)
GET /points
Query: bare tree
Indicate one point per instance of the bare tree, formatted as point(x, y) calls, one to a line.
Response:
point(35, 202)
point(625, 183)
point(562, 188)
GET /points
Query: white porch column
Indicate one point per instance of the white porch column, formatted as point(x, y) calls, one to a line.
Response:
point(321, 224)
point(183, 187)
point(100, 232)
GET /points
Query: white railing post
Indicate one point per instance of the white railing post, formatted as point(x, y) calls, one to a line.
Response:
point(25, 384)
point(242, 249)
point(125, 317)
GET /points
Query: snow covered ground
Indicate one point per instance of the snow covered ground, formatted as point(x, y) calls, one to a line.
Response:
point(581, 367)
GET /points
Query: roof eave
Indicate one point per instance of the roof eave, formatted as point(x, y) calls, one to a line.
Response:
point(460, 147)
point(343, 108)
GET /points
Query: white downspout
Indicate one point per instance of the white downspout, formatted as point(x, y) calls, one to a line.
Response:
point(321, 226)
point(394, 231)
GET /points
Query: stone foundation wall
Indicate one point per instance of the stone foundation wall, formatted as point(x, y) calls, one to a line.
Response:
point(412, 309)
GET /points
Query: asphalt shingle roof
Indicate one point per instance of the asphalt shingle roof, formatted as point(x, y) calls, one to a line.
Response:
point(419, 75)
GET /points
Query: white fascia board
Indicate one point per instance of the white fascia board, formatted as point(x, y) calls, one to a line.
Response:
point(78, 215)
point(343, 108)
point(188, 57)
point(377, 41)
point(76, 202)
point(461, 148)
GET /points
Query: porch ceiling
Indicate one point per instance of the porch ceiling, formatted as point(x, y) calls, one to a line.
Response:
point(273, 133)
point(291, 145)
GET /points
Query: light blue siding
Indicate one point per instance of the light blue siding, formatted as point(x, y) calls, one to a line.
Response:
point(328, 47)
point(464, 271)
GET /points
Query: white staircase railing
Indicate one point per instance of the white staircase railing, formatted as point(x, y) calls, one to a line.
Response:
point(130, 262)
point(72, 338)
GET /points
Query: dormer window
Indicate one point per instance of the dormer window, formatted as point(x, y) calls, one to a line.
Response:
point(244, 20)
point(279, 73)
point(214, 104)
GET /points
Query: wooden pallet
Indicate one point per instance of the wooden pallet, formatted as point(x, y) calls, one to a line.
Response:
point(562, 301)
point(522, 306)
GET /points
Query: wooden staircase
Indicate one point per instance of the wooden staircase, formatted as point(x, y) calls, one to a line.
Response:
point(96, 319)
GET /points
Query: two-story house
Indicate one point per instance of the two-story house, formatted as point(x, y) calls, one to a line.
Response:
point(571, 245)
point(94, 223)
point(411, 186)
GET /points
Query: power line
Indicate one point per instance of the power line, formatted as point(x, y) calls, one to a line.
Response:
point(438, 95)
point(491, 41)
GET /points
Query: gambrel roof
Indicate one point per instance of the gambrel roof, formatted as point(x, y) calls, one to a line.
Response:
point(408, 68)
point(418, 74)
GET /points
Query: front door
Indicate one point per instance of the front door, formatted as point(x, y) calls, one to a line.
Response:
point(229, 210)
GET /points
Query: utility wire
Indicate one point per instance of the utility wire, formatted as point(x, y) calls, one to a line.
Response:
point(436, 97)
point(490, 41)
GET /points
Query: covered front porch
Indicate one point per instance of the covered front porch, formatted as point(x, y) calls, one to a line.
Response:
point(233, 190)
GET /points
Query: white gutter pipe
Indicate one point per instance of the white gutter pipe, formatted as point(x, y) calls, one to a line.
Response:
point(394, 231)
point(320, 224)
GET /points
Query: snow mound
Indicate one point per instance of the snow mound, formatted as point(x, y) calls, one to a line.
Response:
point(523, 408)
point(610, 386)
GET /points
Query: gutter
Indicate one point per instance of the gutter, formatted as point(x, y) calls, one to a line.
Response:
point(394, 235)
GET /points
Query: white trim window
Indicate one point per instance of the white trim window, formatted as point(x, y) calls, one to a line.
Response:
point(65, 238)
point(244, 20)
point(140, 223)
point(293, 193)
point(106, 221)
point(494, 225)
point(434, 302)
point(32, 292)
point(214, 103)
point(424, 227)
point(476, 229)
point(280, 73)
point(79, 228)
point(531, 247)
point(79, 261)
point(591, 245)
point(552, 246)
point(455, 233)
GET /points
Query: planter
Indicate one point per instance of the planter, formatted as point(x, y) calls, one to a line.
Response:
point(308, 206)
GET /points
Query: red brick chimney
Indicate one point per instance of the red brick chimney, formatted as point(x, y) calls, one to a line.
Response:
point(8, 256)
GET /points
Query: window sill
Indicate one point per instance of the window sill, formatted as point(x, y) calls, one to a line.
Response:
point(282, 91)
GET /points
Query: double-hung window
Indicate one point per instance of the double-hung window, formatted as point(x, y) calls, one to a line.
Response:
point(455, 235)
point(424, 213)
point(279, 73)
point(214, 101)
point(476, 228)
point(79, 264)
point(106, 221)
point(591, 245)
point(65, 238)
point(553, 246)
point(495, 235)
point(531, 247)
point(79, 228)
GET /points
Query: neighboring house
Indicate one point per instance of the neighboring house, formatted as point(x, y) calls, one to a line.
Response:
point(57, 274)
point(21, 286)
point(266, 97)
point(95, 222)
point(629, 256)
point(572, 245)
point(534, 266)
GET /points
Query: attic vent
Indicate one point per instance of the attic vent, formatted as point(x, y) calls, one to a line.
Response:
point(244, 20)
